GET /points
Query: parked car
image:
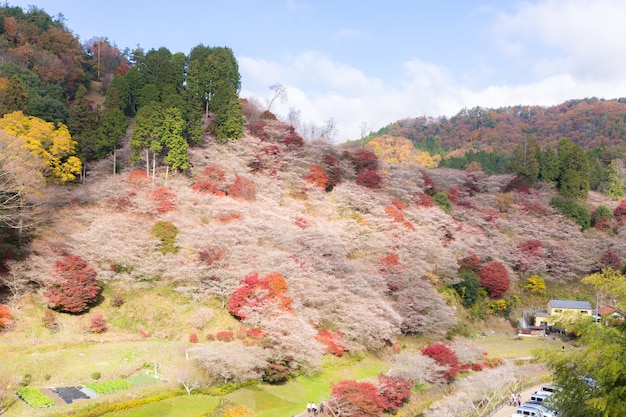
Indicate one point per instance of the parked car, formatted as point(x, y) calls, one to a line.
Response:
point(538, 397)
point(544, 411)
point(550, 388)
point(527, 411)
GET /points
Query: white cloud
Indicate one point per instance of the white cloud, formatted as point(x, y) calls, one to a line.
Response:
point(555, 50)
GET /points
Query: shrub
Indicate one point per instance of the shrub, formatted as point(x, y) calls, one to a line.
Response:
point(536, 285)
point(369, 178)
point(255, 292)
point(95, 376)
point(334, 342)
point(469, 288)
point(242, 189)
point(117, 300)
point(620, 212)
point(293, 140)
point(453, 195)
point(610, 259)
point(442, 200)
point(573, 210)
point(193, 338)
point(166, 232)
point(424, 200)
point(601, 217)
point(317, 177)
point(495, 279)
point(516, 184)
point(97, 324)
point(6, 319)
point(361, 397)
point(74, 288)
point(207, 187)
point(164, 198)
point(33, 397)
point(333, 171)
point(362, 159)
point(393, 391)
point(444, 356)
point(225, 336)
point(470, 263)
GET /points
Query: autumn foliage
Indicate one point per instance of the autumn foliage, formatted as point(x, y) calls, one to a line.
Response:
point(333, 341)
point(5, 316)
point(362, 397)
point(255, 292)
point(242, 189)
point(74, 287)
point(393, 391)
point(444, 356)
point(317, 177)
point(495, 279)
point(164, 198)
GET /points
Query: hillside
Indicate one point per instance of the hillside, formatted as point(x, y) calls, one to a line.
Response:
point(589, 123)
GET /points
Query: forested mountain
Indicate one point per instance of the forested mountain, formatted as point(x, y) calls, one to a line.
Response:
point(589, 123)
point(197, 204)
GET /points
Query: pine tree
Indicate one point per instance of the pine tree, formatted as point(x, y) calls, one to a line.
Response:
point(573, 179)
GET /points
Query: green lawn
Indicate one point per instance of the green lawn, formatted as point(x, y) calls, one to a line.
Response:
point(183, 406)
point(513, 347)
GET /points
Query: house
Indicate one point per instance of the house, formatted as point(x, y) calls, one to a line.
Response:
point(557, 308)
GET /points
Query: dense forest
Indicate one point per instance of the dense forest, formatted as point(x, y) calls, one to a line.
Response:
point(144, 203)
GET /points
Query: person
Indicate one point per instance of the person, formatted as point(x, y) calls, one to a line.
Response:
point(322, 408)
point(519, 400)
point(512, 400)
point(308, 407)
point(314, 409)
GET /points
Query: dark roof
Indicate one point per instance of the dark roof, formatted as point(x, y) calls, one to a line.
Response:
point(575, 305)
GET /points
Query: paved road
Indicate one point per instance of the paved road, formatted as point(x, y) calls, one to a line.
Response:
point(508, 411)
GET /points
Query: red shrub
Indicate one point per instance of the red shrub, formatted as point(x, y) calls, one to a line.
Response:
point(144, 334)
point(333, 341)
point(370, 178)
point(317, 177)
point(165, 199)
point(74, 288)
point(620, 212)
point(362, 159)
point(207, 187)
point(6, 319)
point(530, 247)
point(242, 189)
point(212, 174)
point(255, 291)
point(229, 217)
point(258, 129)
point(495, 279)
point(424, 200)
point(393, 391)
point(470, 263)
point(293, 140)
point(225, 336)
point(610, 259)
point(516, 184)
point(211, 254)
point(97, 324)
point(255, 334)
point(193, 338)
point(444, 356)
point(394, 213)
point(361, 397)
point(333, 170)
point(453, 195)
point(138, 178)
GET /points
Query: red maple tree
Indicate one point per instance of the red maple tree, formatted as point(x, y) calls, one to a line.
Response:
point(255, 291)
point(495, 279)
point(444, 356)
point(74, 287)
point(360, 397)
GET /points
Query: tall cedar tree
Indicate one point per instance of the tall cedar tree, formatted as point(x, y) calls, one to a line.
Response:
point(573, 179)
point(74, 287)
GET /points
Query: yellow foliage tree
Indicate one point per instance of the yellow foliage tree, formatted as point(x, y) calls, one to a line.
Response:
point(398, 149)
point(51, 144)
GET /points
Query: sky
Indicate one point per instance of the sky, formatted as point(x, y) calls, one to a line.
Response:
point(365, 64)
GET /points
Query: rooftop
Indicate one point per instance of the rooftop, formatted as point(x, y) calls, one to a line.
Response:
point(574, 305)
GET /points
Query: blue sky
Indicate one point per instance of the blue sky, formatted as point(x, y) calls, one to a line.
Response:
point(372, 62)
